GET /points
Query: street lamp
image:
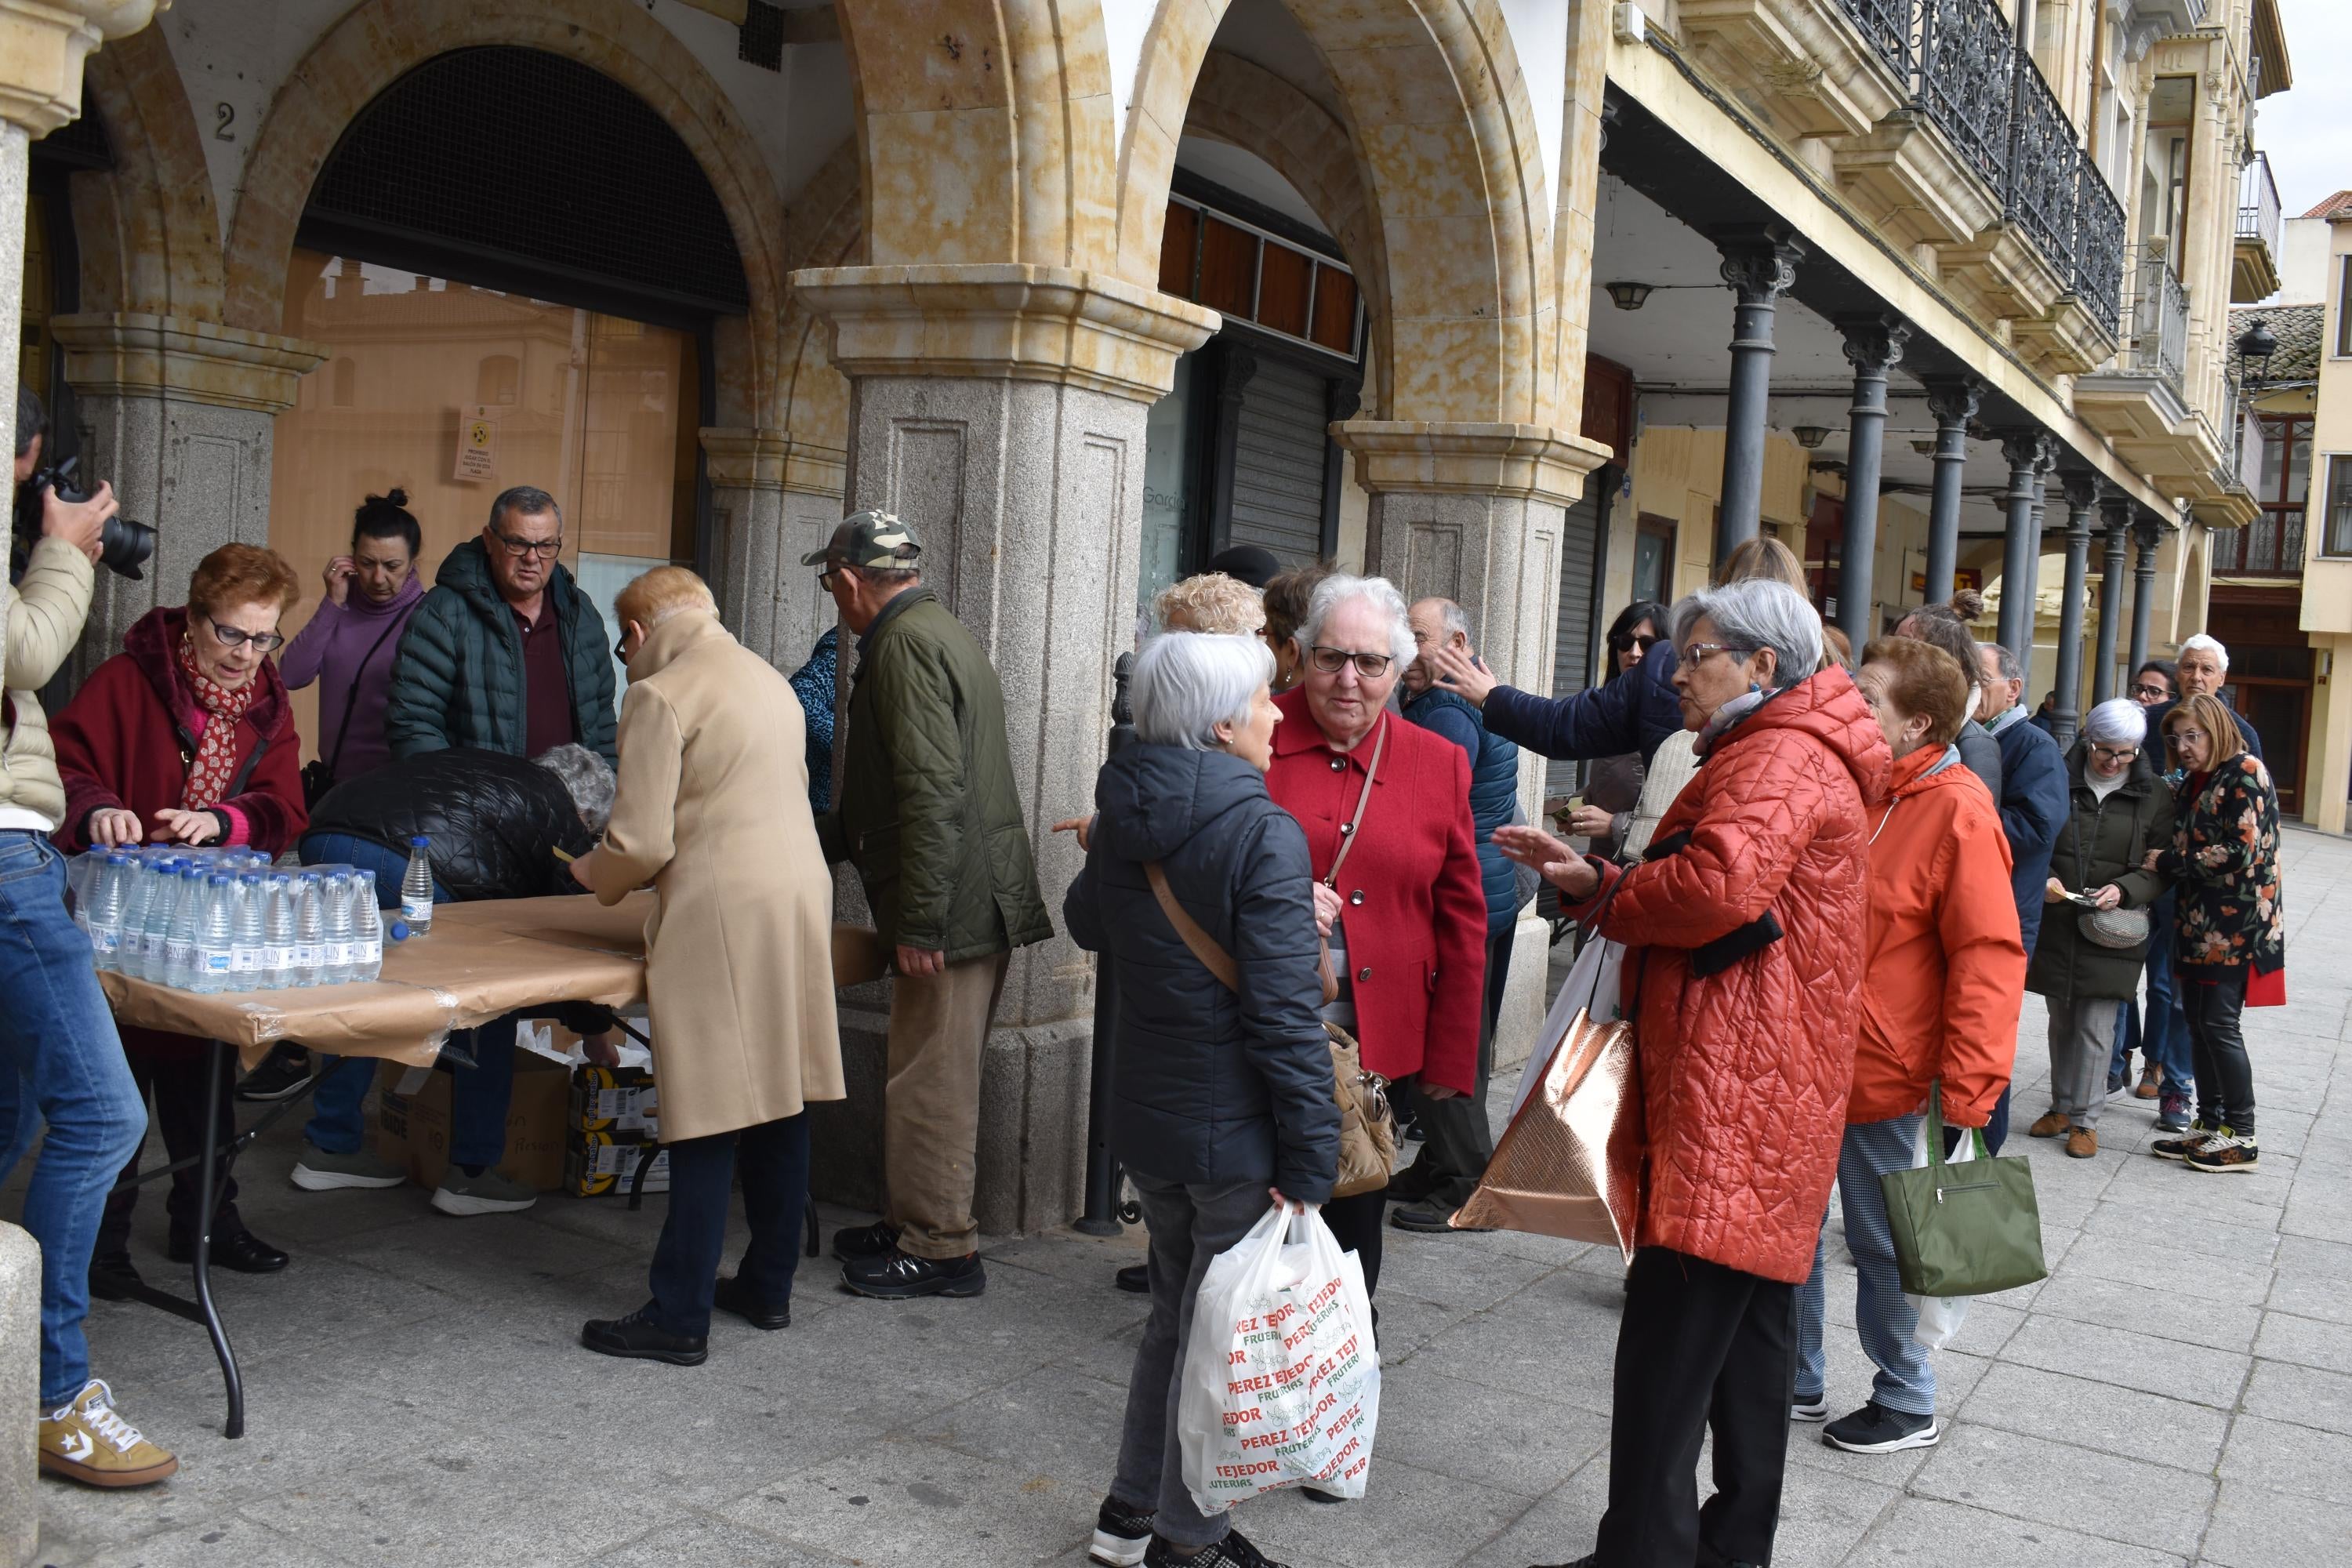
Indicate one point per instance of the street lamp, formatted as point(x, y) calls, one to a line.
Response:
point(2255, 345)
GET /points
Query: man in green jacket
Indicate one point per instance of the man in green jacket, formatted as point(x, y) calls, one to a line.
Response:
point(928, 814)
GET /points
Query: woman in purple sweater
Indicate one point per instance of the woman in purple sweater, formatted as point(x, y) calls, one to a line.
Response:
point(349, 644)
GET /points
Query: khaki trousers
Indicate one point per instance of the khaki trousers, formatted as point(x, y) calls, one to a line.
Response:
point(931, 1104)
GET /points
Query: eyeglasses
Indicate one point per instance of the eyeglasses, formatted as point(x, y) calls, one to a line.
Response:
point(2151, 693)
point(2184, 736)
point(621, 648)
point(824, 578)
point(2114, 754)
point(1370, 665)
point(1700, 652)
point(231, 637)
point(1645, 641)
point(519, 548)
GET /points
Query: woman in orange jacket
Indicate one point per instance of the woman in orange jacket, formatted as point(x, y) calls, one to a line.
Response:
point(1943, 976)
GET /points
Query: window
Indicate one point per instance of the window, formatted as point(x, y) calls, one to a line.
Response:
point(2344, 308)
point(2338, 539)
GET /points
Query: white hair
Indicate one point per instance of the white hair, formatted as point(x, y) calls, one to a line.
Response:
point(1378, 592)
point(2117, 721)
point(586, 779)
point(1185, 684)
point(1755, 614)
point(2210, 645)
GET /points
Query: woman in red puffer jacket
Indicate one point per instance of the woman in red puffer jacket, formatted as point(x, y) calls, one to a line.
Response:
point(1744, 926)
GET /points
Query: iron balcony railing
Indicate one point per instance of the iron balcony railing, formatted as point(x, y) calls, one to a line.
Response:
point(2159, 344)
point(2270, 546)
point(2099, 244)
point(2258, 203)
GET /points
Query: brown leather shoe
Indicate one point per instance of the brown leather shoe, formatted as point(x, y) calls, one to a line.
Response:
point(2051, 1124)
point(2151, 1083)
point(2082, 1142)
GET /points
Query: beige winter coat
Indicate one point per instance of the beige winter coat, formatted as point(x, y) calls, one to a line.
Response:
point(713, 811)
point(39, 624)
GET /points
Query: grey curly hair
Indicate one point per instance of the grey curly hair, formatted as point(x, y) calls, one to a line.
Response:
point(586, 780)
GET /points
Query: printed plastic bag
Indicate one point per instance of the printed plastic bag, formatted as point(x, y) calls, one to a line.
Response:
point(1940, 1317)
point(1282, 1380)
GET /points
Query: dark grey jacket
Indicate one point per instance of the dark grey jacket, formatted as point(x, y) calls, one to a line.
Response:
point(2101, 842)
point(1210, 1087)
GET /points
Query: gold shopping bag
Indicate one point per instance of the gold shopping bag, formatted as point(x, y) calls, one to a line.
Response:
point(1569, 1163)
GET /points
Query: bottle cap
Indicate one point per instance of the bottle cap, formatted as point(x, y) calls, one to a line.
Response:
point(399, 930)
point(419, 842)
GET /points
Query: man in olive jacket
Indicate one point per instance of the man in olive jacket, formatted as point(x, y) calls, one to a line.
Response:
point(928, 814)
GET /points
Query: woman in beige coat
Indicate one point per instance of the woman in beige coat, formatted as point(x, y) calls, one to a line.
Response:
point(712, 809)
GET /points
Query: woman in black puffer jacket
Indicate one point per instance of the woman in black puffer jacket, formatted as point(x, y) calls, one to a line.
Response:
point(1222, 1094)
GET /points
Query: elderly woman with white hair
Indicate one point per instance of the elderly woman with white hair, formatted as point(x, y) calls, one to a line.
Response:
point(1224, 1098)
point(1386, 807)
point(2089, 959)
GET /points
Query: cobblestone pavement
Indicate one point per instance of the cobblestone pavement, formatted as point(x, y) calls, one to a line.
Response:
point(2179, 1389)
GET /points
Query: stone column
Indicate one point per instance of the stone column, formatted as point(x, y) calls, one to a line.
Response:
point(2115, 514)
point(2028, 453)
point(2148, 535)
point(1954, 403)
point(772, 500)
point(2082, 495)
point(1760, 265)
point(178, 414)
point(1000, 408)
point(1476, 513)
point(1872, 345)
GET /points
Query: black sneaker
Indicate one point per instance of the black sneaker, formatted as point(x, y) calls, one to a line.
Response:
point(1875, 1429)
point(114, 1277)
point(639, 1337)
point(733, 1296)
point(1122, 1535)
point(1135, 1280)
point(282, 1075)
point(877, 1240)
point(1432, 1217)
point(1233, 1551)
point(901, 1276)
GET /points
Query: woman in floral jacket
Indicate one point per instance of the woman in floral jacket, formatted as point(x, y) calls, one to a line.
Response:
point(2229, 931)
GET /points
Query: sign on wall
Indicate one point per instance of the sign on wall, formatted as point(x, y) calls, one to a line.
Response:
point(478, 444)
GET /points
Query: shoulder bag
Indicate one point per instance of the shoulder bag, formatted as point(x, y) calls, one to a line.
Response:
point(2120, 929)
point(319, 775)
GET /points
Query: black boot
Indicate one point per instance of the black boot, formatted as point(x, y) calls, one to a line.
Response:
point(113, 1277)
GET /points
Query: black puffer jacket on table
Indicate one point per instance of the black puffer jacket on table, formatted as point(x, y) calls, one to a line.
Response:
point(495, 821)
point(1210, 1087)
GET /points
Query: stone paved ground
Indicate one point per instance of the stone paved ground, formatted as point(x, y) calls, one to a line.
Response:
point(2178, 1391)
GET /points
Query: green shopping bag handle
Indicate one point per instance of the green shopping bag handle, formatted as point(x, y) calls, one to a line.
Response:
point(1936, 1135)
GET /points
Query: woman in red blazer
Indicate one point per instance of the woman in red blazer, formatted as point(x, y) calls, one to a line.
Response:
point(1407, 920)
point(186, 737)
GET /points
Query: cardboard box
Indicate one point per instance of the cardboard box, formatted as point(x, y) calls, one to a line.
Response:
point(597, 1162)
point(412, 1129)
point(624, 1102)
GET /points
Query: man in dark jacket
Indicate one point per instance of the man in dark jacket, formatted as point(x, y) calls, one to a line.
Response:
point(1457, 1142)
point(2032, 792)
point(506, 653)
point(929, 815)
point(2204, 667)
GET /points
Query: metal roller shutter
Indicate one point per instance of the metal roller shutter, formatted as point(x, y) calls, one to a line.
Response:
point(1571, 665)
point(1278, 462)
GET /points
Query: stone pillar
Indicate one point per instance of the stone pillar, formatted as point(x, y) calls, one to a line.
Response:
point(772, 500)
point(1477, 513)
point(178, 414)
point(2028, 453)
point(2115, 516)
point(1760, 265)
point(1954, 403)
point(2148, 535)
point(2082, 495)
point(1000, 408)
point(1872, 344)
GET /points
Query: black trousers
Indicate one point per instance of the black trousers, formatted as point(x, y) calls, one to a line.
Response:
point(178, 1081)
point(1355, 1225)
point(2213, 998)
point(1700, 1345)
point(775, 1160)
point(1457, 1139)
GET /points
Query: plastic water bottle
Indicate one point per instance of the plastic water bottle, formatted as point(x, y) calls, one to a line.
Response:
point(277, 931)
point(337, 927)
point(82, 871)
point(367, 924)
point(179, 970)
point(216, 934)
point(147, 881)
point(417, 887)
point(246, 966)
point(107, 891)
point(310, 929)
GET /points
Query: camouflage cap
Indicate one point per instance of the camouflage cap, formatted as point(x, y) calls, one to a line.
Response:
point(869, 539)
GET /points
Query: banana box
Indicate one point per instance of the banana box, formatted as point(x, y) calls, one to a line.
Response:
point(623, 1101)
point(599, 1162)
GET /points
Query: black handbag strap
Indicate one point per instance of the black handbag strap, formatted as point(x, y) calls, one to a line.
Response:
point(351, 702)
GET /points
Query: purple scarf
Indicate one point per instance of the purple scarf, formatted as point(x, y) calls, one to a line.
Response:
point(343, 645)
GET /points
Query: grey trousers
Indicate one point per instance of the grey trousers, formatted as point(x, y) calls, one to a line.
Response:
point(1188, 1226)
point(2082, 1043)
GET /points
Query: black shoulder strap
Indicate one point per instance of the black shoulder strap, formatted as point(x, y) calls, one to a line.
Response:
point(352, 701)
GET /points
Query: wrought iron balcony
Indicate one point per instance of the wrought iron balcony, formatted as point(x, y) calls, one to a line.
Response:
point(2098, 243)
point(1963, 72)
point(2258, 203)
point(2040, 177)
point(2270, 546)
point(2159, 344)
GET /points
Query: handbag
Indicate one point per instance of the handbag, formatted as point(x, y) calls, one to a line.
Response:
point(2120, 929)
point(1967, 1229)
point(319, 773)
point(1570, 1164)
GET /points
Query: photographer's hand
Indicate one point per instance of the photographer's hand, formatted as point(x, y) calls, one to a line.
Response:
point(80, 523)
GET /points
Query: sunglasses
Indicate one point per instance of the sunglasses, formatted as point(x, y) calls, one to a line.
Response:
point(1645, 641)
point(1331, 661)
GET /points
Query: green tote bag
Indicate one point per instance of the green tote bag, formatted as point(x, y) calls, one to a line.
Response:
point(1969, 1228)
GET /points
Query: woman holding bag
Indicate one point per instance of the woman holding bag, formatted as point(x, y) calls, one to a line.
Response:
point(1223, 1100)
point(1943, 976)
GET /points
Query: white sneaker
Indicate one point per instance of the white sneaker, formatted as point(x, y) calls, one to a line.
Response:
point(488, 1192)
point(316, 1171)
point(1814, 1409)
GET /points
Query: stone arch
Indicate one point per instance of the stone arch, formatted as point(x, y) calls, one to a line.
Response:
point(828, 231)
point(1436, 108)
point(147, 229)
point(379, 41)
point(986, 131)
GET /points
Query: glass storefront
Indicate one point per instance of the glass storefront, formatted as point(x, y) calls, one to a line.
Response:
point(1167, 476)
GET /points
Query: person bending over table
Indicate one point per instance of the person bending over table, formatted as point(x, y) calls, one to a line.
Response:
point(187, 737)
point(713, 811)
point(496, 823)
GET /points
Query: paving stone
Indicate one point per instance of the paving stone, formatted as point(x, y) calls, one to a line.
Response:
point(2314, 1277)
point(2032, 1477)
point(2141, 1317)
point(714, 1541)
point(2301, 1394)
point(2106, 1355)
point(2255, 1527)
point(226, 1542)
point(2098, 1415)
point(2243, 1280)
point(1452, 1275)
point(2286, 1337)
point(1516, 1442)
point(2290, 1458)
point(1922, 1533)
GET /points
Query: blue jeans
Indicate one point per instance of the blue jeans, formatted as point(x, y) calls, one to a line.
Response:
point(478, 1096)
point(1884, 1318)
point(2164, 1038)
point(61, 1061)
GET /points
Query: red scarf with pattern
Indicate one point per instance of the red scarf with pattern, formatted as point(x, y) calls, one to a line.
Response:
point(214, 768)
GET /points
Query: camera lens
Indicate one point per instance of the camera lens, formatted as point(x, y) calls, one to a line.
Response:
point(124, 546)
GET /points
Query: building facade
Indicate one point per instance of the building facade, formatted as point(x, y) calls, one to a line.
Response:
point(1088, 289)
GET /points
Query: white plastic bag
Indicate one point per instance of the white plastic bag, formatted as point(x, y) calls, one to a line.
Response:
point(1592, 984)
point(1940, 1317)
point(1282, 1380)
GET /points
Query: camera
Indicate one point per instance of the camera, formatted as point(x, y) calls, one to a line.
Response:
point(123, 546)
